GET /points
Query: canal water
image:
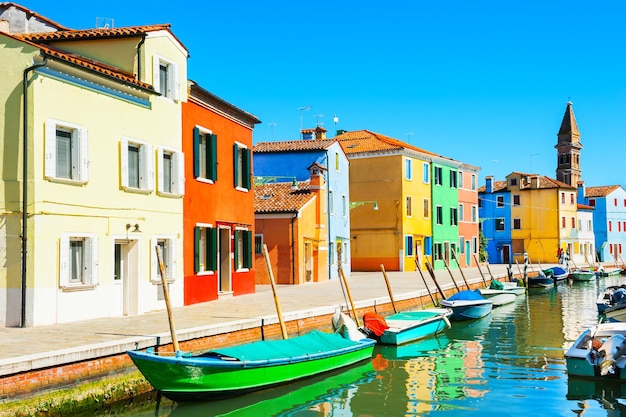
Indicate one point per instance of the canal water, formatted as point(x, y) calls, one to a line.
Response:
point(510, 362)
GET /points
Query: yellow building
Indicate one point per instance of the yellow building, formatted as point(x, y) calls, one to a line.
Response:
point(543, 217)
point(390, 216)
point(103, 164)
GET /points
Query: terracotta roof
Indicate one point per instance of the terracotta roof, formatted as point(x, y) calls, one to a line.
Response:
point(293, 145)
point(80, 34)
point(96, 66)
point(601, 191)
point(196, 91)
point(280, 198)
point(496, 186)
point(584, 207)
point(360, 141)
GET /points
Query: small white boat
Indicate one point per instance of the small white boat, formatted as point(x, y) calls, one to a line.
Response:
point(511, 287)
point(468, 305)
point(599, 352)
point(497, 297)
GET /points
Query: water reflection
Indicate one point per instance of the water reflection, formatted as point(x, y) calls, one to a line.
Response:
point(510, 362)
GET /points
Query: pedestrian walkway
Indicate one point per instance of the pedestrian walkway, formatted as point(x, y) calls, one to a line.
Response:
point(23, 349)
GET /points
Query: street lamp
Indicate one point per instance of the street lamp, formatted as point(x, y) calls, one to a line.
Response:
point(355, 204)
point(260, 180)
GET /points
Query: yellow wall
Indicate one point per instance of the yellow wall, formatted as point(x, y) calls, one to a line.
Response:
point(417, 225)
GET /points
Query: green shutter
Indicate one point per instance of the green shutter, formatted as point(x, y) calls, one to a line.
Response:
point(196, 152)
point(211, 255)
point(211, 168)
point(236, 164)
point(246, 168)
point(196, 249)
point(247, 249)
point(237, 237)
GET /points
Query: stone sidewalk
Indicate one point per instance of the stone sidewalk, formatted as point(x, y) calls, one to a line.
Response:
point(23, 349)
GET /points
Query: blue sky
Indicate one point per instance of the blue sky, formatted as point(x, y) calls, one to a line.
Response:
point(483, 82)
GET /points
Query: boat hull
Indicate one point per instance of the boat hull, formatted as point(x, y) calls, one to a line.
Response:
point(576, 357)
point(414, 325)
point(468, 311)
point(582, 275)
point(611, 272)
point(498, 297)
point(540, 282)
point(183, 377)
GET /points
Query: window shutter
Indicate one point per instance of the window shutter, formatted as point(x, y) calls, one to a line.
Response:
point(237, 254)
point(154, 261)
point(94, 264)
point(236, 164)
point(64, 259)
point(212, 157)
point(247, 249)
point(174, 82)
point(171, 244)
point(178, 173)
point(196, 152)
point(160, 169)
point(124, 163)
point(155, 73)
point(149, 167)
point(211, 249)
point(196, 249)
point(51, 139)
point(84, 155)
point(246, 168)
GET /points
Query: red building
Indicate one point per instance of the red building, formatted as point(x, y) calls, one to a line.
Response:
point(218, 210)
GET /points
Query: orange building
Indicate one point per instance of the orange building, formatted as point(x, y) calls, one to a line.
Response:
point(218, 207)
point(290, 220)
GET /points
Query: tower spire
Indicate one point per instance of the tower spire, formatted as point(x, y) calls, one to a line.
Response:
point(568, 149)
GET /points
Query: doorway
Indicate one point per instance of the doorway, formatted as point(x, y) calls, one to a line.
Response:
point(308, 261)
point(506, 254)
point(126, 274)
point(224, 263)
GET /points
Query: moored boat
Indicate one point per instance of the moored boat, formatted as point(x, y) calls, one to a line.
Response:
point(410, 326)
point(557, 273)
point(252, 366)
point(599, 352)
point(607, 272)
point(540, 281)
point(612, 296)
point(498, 297)
point(579, 274)
point(468, 305)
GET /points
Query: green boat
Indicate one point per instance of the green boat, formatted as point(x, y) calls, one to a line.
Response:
point(582, 275)
point(253, 366)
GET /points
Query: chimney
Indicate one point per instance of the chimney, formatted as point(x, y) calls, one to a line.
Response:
point(308, 134)
point(534, 182)
point(489, 184)
point(317, 186)
point(320, 133)
point(580, 198)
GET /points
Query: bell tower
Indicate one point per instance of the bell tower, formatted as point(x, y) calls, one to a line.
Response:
point(568, 149)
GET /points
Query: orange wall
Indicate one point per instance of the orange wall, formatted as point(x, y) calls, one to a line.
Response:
point(210, 203)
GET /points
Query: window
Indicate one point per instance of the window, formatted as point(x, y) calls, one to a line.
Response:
point(438, 176)
point(331, 202)
point(571, 198)
point(563, 222)
point(137, 165)
point(439, 215)
point(513, 182)
point(615, 202)
point(573, 223)
point(426, 174)
point(589, 225)
point(344, 205)
point(408, 245)
point(409, 206)
point(461, 244)
point(592, 202)
point(242, 167)
point(67, 153)
point(165, 77)
point(167, 246)
point(460, 179)
point(258, 244)
point(517, 224)
point(562, 198)
point(610, 226)
point(500, 201)
point(243, 249)
point(461, 212)
point(408, 169)
point(516, 200)
point(204, 154)
point(337, 162)
point(474, 214)
point(474, 182)
point(438, 251)
point(426, 208)
point(453, 216)
point(453, 179)
point(205, 249)
point(78, 260)
point(580, 224)
point(171, 170)
point(500, 224)
point(474, 245)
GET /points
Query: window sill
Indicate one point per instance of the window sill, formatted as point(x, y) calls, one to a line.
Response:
point(66, 181)
point(78, 287)
point(205, 180)
point(245, 190)
point(136, 190)
point(159, 282)
point(169, 195)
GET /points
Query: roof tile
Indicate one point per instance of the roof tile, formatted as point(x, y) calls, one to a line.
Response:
point(280, 198)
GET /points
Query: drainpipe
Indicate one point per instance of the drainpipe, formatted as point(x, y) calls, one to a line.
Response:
point(139, 45)
point(25, 183)
point(293, 250)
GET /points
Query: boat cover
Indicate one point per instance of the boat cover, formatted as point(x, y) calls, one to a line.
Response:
point(375, 322)
point(466, 295)
point(496, 285)
point(309, 343)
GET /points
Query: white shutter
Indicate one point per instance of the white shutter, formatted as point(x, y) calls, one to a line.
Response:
point(178, 173)
point(51, 149)
point(95, 261)
point(84, 155)
point(154, 268)
point(148, 171)
point(175, 83)
point(124, 163)
point(156, 83)
point(171, 243)
point(160, 169)
point(64, 260)
point(87, 261)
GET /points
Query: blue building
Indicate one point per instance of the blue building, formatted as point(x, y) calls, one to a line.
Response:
point(494, 212)
point(609, 220)
point(292, 160)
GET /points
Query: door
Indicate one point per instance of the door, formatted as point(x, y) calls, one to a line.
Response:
point(126, 275)
point(506, 254)
point(308, 261)
point(224, 260)
point(468, 252)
